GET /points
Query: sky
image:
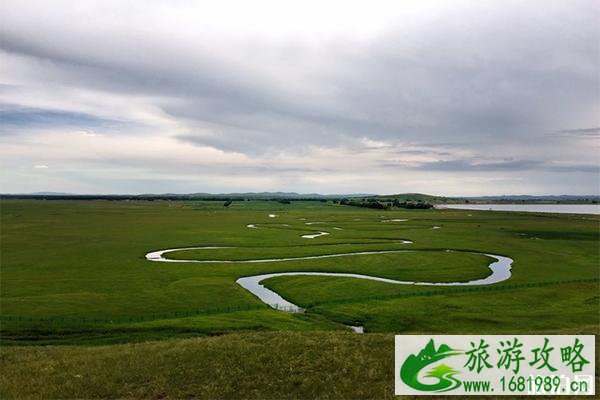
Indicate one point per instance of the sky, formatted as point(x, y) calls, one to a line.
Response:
point(458, 98)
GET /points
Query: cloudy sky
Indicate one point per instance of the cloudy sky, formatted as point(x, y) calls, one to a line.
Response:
point(451, 98)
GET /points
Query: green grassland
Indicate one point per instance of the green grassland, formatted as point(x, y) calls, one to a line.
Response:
point(73, 274)
point(254, 365)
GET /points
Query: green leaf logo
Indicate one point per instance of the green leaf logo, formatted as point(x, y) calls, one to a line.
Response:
point(413, 364)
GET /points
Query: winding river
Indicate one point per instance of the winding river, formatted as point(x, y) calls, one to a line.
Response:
point(500, 269)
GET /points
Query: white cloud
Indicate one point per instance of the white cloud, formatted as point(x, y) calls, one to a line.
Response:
point(382, 96)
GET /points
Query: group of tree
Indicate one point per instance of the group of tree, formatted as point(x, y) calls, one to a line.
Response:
point(369, 203)
point(418, 205)
point(383, 205)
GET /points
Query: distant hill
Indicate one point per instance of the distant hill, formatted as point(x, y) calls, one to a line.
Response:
point(262, 195)
point(401, 197)
point(187, 196)
point(503, 199)
point(50, 194)
point(536, 198)
point(426, 198)
point(286, 195)
point(527, 199)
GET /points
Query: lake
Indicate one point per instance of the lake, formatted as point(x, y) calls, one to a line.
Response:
point(545, 208)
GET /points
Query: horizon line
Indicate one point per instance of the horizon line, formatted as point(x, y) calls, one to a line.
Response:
point(54, 193)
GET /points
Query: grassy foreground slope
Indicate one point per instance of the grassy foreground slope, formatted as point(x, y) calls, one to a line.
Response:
point(273, 365)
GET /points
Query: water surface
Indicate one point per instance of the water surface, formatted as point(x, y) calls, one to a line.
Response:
point(500, 268)
point(544, 208)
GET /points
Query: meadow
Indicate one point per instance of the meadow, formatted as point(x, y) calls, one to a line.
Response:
point(74, 278)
